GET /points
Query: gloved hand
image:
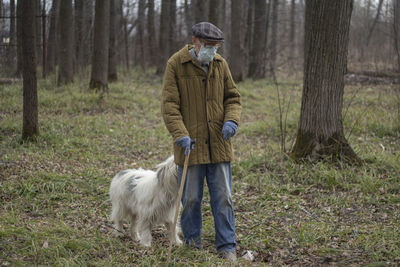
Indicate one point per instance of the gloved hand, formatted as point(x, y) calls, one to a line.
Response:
point(186, 143)
point(229, 129)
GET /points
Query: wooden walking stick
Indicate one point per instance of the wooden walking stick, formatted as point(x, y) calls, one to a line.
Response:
point(178, 205)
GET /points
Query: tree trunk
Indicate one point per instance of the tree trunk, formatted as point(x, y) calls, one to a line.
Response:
point(237, 45)
point(292, 34)
point(172, 36)
point(19, 39)
point(112, 56)
point(140, 35)
point(163, 44)
point(320, 133)
point(66, 53)
point(151, 33)
point(11, 51)
point(200, 10)
point(30, 127)
point(396, 30)
point(79, 33)
point(257, 50)
point(188, 17)
point(214, 14)
point(274, 34)
point(101, 45)
point(248, 40)
point(371, 30)
point(52, 38)
point(38, 22)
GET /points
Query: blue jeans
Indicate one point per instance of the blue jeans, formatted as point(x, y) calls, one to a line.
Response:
point(219, 182)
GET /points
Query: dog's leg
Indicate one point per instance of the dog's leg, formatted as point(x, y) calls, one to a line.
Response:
point(116, 218)
point(133, 227)
point(144, 229)
point(175, 238)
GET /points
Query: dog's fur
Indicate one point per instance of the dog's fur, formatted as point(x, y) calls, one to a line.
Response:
point(145, 198)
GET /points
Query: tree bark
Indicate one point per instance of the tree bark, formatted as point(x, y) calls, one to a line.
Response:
point(99, 77)
point(371, 30)
point(140, 35)
point(112, 56)
point(38, 30)
point(151, 33)
point(396, 30)
point(163, 44)
point(274, 34)
point(66, 52)
point(52, 38)
point(237, 45)
point(30, 127)
point(292, 34)
point(19, 39)
point(172, 36)
point(200, 10)
point(79, 33)
point(11, 50)
point(188, 17)
point(214, 14)
point(257, 50)
point(320, 133)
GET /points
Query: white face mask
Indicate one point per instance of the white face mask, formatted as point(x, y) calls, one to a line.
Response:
point(206, 54)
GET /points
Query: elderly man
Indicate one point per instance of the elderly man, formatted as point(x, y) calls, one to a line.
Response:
point(200, 102)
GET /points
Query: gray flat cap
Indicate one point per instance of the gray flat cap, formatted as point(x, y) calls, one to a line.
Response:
point(208, 31)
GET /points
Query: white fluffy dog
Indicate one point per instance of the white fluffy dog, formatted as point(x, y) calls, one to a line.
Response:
point(145, 198)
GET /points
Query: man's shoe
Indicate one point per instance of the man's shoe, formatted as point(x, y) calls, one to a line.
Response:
point(229, 255)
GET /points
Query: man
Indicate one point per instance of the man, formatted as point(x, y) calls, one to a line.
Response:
point(200, 102)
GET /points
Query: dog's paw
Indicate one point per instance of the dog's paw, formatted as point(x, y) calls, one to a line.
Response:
point(117, 233)
point(145, 244)
point(178, 241)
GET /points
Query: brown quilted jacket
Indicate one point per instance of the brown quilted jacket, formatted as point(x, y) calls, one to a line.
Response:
point(197, 105)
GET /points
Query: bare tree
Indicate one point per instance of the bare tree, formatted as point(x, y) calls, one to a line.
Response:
point(237, 46)
point(140, 34)
point(396, 30)
point(292, 33)
point(215, 11)
point(200, 10)
point(151, 33)
point(256, 69)
point(30, 106)
point(172, 25)
point(11, 50)
point(274, 34)
point(320, 133)
point(66, 52)
point(378, 12)
point(99, 80)
point(19, 39)
point(52, 38)
point(38, 31)
point(112, 56)
point(163, 44)
point(188, 17)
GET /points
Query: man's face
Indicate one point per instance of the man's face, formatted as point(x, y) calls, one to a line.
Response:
point(198, 42)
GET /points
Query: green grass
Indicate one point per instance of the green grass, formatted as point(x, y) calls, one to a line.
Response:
point(54, 203)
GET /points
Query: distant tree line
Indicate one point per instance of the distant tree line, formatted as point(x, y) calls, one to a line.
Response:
point(262, 36)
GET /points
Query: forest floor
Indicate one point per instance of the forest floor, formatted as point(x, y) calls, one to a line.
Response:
point(54, 204)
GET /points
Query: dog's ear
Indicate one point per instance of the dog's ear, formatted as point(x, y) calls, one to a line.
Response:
point(160, 173)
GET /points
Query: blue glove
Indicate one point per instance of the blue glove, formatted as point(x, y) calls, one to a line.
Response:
point(229, 129)
point(186, 143)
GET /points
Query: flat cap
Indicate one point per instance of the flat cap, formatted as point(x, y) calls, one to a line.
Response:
point(208, 31)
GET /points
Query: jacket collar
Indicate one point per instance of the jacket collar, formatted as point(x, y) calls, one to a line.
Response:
point(186, 57)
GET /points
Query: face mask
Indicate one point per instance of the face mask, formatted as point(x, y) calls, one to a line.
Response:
point(206, 54)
